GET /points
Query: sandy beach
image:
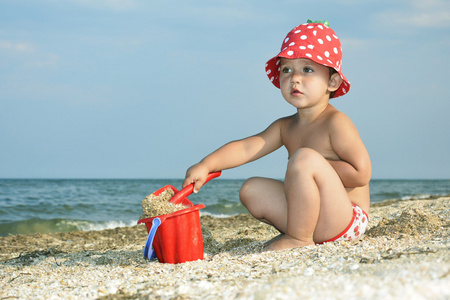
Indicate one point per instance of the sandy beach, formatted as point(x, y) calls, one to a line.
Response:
point(404, 255)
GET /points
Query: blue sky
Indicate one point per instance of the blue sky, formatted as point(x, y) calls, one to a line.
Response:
point(144, 89)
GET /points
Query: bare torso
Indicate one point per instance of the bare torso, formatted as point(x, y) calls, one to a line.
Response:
point(316, 135)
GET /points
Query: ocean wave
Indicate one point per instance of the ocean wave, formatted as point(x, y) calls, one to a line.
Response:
point(106, 225)
point(417, 197)
point(219, 216)
point(37, 225)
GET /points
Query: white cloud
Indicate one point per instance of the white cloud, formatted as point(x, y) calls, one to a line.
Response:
point(420, 14)
point(17, 47)
point(26, 55)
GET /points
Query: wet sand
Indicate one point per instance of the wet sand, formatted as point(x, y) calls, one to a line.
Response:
point(404, 255)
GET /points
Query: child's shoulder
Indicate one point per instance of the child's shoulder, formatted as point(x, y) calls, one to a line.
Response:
point(335, 115)
point(286, 120)
point(283, 123)
point(337, 119)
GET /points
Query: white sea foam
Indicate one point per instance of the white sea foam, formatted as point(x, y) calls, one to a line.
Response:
point(416, 197)
point(105, 225)
point(205, 213)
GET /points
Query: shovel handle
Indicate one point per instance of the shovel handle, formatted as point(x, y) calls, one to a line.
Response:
point(190, 188)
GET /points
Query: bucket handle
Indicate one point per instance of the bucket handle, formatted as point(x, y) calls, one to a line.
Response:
point(148, 250)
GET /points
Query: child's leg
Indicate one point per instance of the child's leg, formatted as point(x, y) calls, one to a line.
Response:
point(264, 198)
point(318, 204)
point(313, 205)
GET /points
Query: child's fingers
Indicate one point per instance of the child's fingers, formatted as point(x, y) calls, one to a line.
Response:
point(198, 183)
point(197, 175)
point(187, 181)
point(190, 178)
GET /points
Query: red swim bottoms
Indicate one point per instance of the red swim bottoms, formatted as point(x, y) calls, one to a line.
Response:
point(355, 229)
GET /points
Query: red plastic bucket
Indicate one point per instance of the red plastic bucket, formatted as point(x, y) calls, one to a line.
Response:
point(179, 237)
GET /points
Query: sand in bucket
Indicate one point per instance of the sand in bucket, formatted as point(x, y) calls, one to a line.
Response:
point(157, 205)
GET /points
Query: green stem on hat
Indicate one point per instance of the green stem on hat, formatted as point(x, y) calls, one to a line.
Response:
point(326, 23)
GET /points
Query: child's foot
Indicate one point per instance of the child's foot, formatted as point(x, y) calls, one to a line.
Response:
point(286, 242)
point(267, 243)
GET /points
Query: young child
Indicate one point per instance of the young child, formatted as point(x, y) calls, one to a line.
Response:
point(325, 194)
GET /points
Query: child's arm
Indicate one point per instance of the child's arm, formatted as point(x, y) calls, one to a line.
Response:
point(235, 153)
point(354, 168)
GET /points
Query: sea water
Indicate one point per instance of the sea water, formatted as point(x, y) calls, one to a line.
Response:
point(63, 205)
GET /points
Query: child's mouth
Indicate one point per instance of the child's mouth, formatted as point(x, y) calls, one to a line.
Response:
point(296, 92)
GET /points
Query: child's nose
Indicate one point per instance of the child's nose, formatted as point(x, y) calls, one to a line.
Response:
point(295, 77)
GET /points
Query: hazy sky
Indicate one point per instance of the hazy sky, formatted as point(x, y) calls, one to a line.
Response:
point(144, 89)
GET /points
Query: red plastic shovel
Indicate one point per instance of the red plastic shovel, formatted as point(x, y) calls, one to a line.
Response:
point(178, 197)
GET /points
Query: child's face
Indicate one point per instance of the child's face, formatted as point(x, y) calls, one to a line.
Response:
point(305, 83)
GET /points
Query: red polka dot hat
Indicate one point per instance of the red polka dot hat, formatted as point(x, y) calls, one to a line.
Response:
point(315, 41)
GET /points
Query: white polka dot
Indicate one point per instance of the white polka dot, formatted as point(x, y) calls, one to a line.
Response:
point(319, 57)
point(315, 32)
point(335, 36)
point(303, 37)
point(320, 41)
point(271, 79)
point(335, 50)
point(302, 47)
point(327, 54)
point(311, 46)
point(290, 52)
point(328, 38)
point(278, 62)
point(269, 71)
point(330, 61)
point(310, 27)
point(320, 26)
point(291, 44)
point(286, 40)
point(297, 31)
point(309, 55)
point(344, 91)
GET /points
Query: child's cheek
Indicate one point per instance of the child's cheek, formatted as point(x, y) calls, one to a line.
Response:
point(284, 84)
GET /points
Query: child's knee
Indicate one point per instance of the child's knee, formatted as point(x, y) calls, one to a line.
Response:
point(303, 158)
point(247, 191)
point(251, 198)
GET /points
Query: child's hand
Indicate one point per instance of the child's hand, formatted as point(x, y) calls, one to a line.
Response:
point(196, 174)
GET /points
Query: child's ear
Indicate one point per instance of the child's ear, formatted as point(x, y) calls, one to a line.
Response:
point(335, 82)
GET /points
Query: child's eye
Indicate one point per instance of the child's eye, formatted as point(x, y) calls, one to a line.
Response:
point(308, 70)
point(286, 70)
